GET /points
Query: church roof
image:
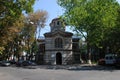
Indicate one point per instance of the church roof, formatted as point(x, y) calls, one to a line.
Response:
point(55, 19)
point(65, 34)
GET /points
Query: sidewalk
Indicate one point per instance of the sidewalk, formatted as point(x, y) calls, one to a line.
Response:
point(66, 67)
point(75, 67)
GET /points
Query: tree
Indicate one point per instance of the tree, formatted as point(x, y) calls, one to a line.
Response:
point(24, 39)
point(113, 39)
point(34, 21)
point(38, 19)
point(94, 17)
point(10, 12)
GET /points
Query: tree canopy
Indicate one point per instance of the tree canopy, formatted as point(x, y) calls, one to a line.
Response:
point(97, 18)
point(90, 16)
point(24, 39)
point(11, 18)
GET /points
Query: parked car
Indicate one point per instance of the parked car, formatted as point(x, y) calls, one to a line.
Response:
point(101, 62)
point(117, 63)
point(110, 59)
point(19, 63)
point(25, 63)
point(28, 63)
point(0, 63)
point(5, 63)
point(12, 61)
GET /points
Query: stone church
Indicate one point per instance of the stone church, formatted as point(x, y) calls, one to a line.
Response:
point(58, 46)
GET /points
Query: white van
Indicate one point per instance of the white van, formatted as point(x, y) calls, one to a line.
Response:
point(110, 59)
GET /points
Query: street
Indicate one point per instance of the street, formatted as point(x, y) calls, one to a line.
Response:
point(18, 73)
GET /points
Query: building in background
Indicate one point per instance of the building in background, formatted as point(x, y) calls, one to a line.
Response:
point(58, 47)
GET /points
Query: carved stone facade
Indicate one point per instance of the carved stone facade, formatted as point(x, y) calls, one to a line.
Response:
point(59, 47)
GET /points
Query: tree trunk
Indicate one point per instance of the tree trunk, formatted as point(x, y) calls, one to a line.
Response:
point(89, 53)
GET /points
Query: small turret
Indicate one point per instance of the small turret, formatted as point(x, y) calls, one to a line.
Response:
point(57, 24)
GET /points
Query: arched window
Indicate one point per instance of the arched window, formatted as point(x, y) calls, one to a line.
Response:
point(58, 43)
point(58, 23)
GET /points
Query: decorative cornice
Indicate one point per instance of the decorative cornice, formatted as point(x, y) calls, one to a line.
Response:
point(64, 34)
point(58, 50)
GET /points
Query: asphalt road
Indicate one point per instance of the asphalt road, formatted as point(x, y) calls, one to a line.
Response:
point(16, 73)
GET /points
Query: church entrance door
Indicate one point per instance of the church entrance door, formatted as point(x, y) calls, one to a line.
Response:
point(58, 58)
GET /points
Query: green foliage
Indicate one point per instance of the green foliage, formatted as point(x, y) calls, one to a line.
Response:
point(99, 19)
point(95, 17)
point(113, 38)
point(24, 35)
point(8, 33)
point(34, 48)
point(10, 18)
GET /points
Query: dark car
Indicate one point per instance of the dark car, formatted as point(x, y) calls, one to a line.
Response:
point(25, 63)
point(12, 61)
point(5, 63)
point(101, 62)
point(117, 63)
point(19, 63)
point(0, 63)
point(28, 63)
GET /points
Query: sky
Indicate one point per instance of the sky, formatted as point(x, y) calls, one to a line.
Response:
point(53, 9)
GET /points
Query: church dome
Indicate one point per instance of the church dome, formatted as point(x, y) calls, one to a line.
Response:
point(57, 24)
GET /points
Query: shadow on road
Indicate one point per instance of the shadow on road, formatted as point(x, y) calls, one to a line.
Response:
point(91, 68)
point(85, 68)
point(73, 67)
